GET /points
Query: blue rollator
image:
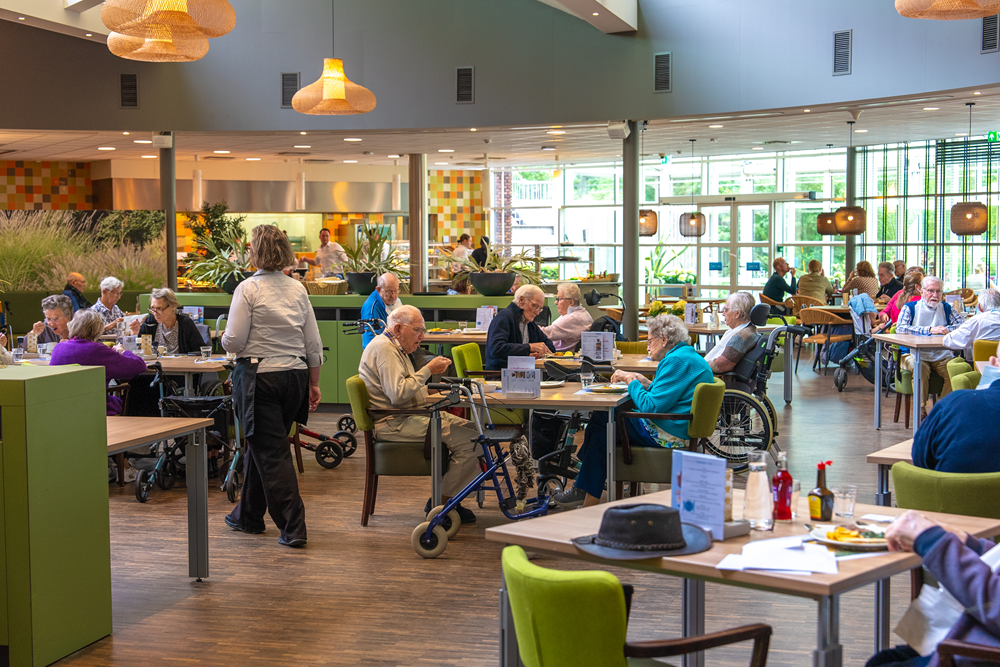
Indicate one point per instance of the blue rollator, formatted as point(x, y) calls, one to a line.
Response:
point(430, 538)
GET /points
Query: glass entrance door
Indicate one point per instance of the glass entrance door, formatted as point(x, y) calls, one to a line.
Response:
point(735, 252)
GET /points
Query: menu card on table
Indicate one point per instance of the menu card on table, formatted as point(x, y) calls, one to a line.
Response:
point(485, 315)
point(521, 379)
point(598, 345)
point(690, 313)
point(701, 498)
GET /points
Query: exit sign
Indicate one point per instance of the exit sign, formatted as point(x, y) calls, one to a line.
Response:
point(993, 137)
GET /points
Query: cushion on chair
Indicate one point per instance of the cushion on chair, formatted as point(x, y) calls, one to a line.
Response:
point(649, 464)
point(631, 347)
point(982, 350)
point(401, 459)
point(968, 380)
point(467, 357)
point(705, 407)
point(360, 402)
point(969, 494)
point(958, 366)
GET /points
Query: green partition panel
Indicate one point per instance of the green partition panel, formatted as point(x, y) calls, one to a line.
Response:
point(329, 384)
point(54, 508)
point(349, 358)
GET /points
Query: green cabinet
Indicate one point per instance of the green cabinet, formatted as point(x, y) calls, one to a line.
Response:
point(55, 553)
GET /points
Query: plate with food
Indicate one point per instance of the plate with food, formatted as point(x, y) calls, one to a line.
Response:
point(851, 537)
point(439, 330)
point(616, 388)
point(549, 384)
point(473, 332)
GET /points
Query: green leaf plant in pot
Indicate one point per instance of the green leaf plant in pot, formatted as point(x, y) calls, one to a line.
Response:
point(372, 256)
point(224, 263)
point(498, 274)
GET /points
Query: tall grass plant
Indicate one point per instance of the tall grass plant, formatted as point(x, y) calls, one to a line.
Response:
point(32, 242)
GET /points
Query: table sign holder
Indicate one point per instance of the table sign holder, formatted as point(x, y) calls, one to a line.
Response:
point(690, 313)
point(699, 491)
point(521, 383)
point(598, 345)
point(485, 315)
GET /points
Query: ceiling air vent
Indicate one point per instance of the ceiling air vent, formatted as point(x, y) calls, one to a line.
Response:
point(128, 91)
point(842, 52)
point(293, 153)
point(289, 86)
point(218, 157)
point(465, 91)
point(990, 43)
point(661, 73)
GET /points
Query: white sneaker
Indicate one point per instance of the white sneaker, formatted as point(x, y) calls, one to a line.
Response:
point(130, 474)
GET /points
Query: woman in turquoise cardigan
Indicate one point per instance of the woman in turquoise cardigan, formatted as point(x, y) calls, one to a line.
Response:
point(679, 371)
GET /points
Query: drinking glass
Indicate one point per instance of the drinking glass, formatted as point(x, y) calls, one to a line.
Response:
point(206, 352)
point(462, 326)
point(17, 354)
point(161, 350)
point(843, 500)
point(796, 492)
point(758, 500)
point(586, 379)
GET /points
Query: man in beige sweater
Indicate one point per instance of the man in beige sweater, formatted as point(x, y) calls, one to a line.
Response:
point(393, 384)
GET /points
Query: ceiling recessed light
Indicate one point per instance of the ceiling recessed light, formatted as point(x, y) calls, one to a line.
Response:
point(757, 148)
point(977, 93)
point(89, 34)
point(548, 148)
point(446, 150)
point(105, 148)
point(148, 157)
point(806, 110)
point(394, 156)
point(20, 18)
point(556, 132)
point(472, 129)
point(351, 139)
point(125, 133)
point(860, 131)
point(302, 146)
point(596, 14)
point(302, 133)
point(715, 127)
point(930, 108)
point(350, 161)
point(253, 159)
point(221, 152)
point(142, 141)
point(440, 163)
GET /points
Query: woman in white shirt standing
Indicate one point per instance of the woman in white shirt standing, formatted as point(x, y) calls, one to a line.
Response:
point(272, 330)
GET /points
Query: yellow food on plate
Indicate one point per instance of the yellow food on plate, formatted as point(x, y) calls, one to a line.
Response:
point(436, 330)
point(847, 535)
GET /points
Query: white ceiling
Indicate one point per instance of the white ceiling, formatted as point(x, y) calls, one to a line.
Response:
point(886, 121)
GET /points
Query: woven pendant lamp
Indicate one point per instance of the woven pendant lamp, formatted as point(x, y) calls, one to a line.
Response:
point(333, 94)
point(850, 220)
point(947, 10)
point(186, 19)
point(157, 50)
point(693, 223)
point(648, 222)
point(969, 218)
point(825, 224)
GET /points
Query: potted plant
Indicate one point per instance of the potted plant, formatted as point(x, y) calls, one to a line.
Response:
point(371, 257)
point(497, 275)
point(224, 264)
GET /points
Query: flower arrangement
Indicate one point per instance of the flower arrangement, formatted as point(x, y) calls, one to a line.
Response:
point(658, 308)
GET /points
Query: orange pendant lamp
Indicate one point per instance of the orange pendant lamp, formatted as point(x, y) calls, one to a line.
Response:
point(826, 225)
point(186, 19)
point(850, 219)
point(947, 10)
point(693, 223)
point(969, 218)
point(165, 50)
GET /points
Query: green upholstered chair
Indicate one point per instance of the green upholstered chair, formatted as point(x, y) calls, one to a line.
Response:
point(903, 386)
point(594, 633)
point(963, 376)
point(969, 494)
point(982, 350)
point(631, 347)
point(400, 459)
point(468, 360)
point(654, 464)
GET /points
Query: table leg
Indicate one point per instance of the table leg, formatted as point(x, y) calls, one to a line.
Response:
point(883, 496)
point(197, 476)
point(789, 347)
point(693, 619)
point(436, 446)
point(918, 400)
point(611, 454)
point(509, 654)
point(882, 608)
point(829, 652)
point(878, 384)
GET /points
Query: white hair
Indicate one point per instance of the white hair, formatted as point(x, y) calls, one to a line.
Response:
point(989, 299)
point(668, 327)
point(110, 284)
point(403, 315)
point(528, 291)
point(933, 279)
point(570, 291)
point(166, 294)
point(742, 302)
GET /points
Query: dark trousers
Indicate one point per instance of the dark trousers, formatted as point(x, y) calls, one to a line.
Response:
point(901, 656)
point(594, 451)
point(269, 481)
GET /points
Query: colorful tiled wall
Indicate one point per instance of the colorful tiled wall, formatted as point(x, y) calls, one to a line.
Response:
point(46, 186)
point(455, 201)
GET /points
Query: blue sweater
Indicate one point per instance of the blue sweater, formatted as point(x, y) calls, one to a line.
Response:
point(373, 309)
point(959, 434)
point(504, 338)
point(672, 390)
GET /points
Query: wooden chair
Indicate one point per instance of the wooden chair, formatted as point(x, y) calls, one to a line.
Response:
point(400, 459)
point(594, 632)
point(982, 350)
point(654, 464)
point(797, 301)
point(826, 320)
point(771, 302)
point(949, 648)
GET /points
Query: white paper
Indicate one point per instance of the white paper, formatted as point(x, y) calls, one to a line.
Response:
point(196, 313)
point(807, 558)
point(522, 382)
point(521, 363)
point(878, 518)
point(690, 313)
point(598, 345)
point(702, 497)
point(484, 315)
point(990, 374)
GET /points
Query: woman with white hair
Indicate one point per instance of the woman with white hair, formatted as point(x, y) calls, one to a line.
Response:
point(107, 305)
point(679, 371)
point(573, 318)
point(169, 328)
point(739, 339)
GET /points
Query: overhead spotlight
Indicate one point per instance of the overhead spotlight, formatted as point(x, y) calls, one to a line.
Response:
point(350, 161)
point(860, 131)
point(125, 133)
point(757, 148)
point(556, 132)
point(548, 148)
point(142, 141)
point(303, 133)
point(253, 159)
point(105, 148)
point(148, 157)
point(715, 127)
point(930, 108)
point(446, 150)
point(221, 152)
point(302, 146)
point(472, 129)
point(806, 110)
point(351, 139)
point(977, 93)
point(394, 157)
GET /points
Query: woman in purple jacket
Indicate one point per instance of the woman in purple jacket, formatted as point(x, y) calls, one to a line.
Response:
point(82, 348)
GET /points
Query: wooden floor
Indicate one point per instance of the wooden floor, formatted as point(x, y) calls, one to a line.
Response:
point(361, 596)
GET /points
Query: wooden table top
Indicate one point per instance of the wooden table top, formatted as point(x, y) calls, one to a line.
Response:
point(171, 365)
point(125, 433)
point(895, 454)
point(844, 308)
point(553, 534)
point(564, 396)
point(637, 363)
point(909, 340)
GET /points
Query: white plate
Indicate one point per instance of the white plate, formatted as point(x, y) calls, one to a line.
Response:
point(552, 383)
point(473, 331)
point(608, 388)
point(819, 534)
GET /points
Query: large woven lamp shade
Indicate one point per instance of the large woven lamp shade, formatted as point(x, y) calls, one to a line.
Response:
point(825, 224)
point(333, 94)
point(947, 10)
point(648, 222)
point(157, 50)
point(850, 220)
point(186, 19)
point(692, 224)
point(969, 218)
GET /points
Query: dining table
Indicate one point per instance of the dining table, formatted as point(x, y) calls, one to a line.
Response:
point(916, 344)
point(184, 365)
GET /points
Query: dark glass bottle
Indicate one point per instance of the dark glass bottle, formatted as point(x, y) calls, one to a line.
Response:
point(821, 498)
point(781, 487)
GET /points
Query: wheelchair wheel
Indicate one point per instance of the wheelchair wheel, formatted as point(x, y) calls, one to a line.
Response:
point(429, 548)
point(744, 426)
point(346, 423)
point(348, 443)
point(840, 379)
point(216, 388)
point(769, 406)
point(329, 454)
point(452, 522)
point(167, 476)
point(142, 486)
point(232, 485)
point(549, 486)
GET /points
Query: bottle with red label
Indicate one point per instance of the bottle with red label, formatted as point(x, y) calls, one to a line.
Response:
point(781, 488)
point(821, 498)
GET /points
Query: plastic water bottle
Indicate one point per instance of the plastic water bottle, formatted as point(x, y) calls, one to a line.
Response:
point(758, 503)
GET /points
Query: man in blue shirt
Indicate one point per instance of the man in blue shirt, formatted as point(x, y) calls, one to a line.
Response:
point(380, 303)
point(776, 287)
point(958, 435)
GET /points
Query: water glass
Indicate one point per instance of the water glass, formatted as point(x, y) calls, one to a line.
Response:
point(462, 326)
point(843, 500)
point(758, 499)
point(17, 354)
point(206, 352)
point(586, 379)
point(796, 492)
point(161, 350)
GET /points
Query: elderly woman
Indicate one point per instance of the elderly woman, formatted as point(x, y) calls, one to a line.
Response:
point(679, 371)
point(910, 292)
point(739, 339)
point(58, 310)
point(168, 327)
point(573, 318)
point(82, 348)
point(107, 305)
point(863, 279)
point(272, 330)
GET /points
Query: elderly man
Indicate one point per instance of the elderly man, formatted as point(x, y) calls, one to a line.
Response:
point(107, 305)
point(513, 332)
point(573, 318)
point(899, 267)
point(776, 287)
point(58, 310)
point(814, 284)
point(75, 284)
point(985, 325)
point(929, 317)
point(890, 284)
point(380, 303)
point(740, 338)
point(330, 256)
point(955, 559)
point(393, 383)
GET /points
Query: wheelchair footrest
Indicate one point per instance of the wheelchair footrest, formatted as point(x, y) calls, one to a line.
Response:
point(501, 434)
